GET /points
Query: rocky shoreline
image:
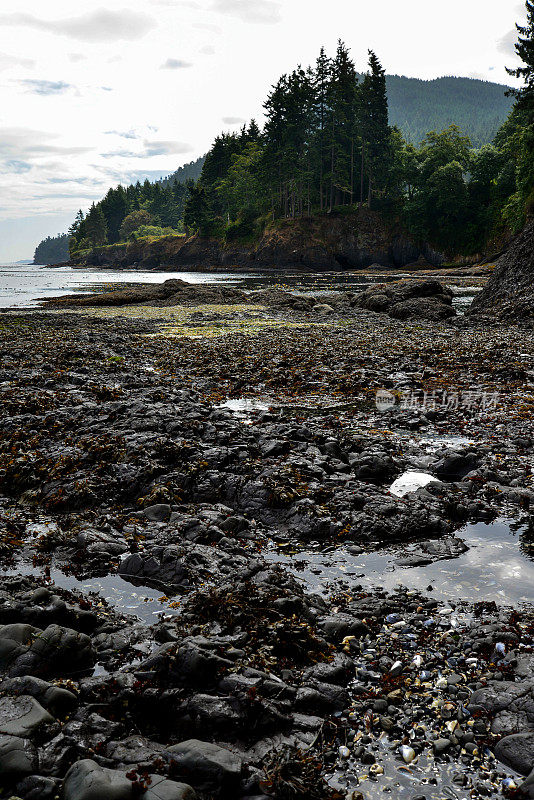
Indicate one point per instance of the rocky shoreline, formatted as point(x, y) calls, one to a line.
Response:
point(122, 458)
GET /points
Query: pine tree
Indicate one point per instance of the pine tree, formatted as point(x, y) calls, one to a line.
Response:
point(525, 51)
point(95, 226)
point(374, 127)
point(115, 208)
point(343, 122)
point(322, 111)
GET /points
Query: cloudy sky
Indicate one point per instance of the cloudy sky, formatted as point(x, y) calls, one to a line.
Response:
point(94, 94)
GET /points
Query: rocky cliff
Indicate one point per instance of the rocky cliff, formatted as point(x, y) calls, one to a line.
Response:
point(326, 242)
point(510, 290)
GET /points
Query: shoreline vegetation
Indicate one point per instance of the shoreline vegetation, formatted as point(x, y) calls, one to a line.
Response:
point(327, 148)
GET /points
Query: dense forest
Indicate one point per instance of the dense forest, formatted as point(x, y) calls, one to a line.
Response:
point(479, 108)
point(52, 250)
point(328, 146)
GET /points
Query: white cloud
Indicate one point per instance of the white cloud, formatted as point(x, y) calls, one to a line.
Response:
point(45, 87)
point(265, 12)
point(162, 148)
point(176, 63)
point(507, 43)
point(233, 120)
point(100, 25)
point(7, 61)
point(27, 144)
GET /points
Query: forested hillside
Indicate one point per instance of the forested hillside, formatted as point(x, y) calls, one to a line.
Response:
point(189, 172)
point(327, 145)
point(416, 107)
point(52, 250)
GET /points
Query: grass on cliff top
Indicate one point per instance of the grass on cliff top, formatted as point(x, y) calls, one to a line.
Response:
point(199, 322)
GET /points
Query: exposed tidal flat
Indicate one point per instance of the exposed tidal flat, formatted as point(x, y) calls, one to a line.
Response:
point(266, 544)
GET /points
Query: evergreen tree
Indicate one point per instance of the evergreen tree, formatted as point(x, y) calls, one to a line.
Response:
point(322, 113)
point(95, 226)
point(525, 51)
point(343, 98)
point(375, 131)
point(114, 207)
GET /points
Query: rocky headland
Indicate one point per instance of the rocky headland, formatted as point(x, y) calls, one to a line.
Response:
point(323, 242)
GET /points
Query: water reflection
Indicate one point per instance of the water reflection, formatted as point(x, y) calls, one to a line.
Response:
point(499, 567)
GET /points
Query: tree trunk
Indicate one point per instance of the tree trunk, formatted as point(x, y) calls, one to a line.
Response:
point(361, 177)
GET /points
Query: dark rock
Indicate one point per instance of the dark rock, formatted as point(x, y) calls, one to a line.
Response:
point(17, 756)
point(509, 292)
point(56, 651)
point(86, 780)
point(22, 716)
point(209, 768)
point(55, 699)
point(517, 752)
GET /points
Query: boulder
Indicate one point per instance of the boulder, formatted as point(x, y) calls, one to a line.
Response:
point(86, 780)
point(55, 699)
point(509, 293)
point(18, 757)
point(210, 768)
point(427, 299)
point(517, 752)
point(54, 652)
point(22, 716)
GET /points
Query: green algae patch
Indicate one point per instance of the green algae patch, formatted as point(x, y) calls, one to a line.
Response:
point(199, 322)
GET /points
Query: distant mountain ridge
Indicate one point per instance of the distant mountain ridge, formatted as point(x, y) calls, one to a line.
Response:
point(478, 107)
point(190, 171)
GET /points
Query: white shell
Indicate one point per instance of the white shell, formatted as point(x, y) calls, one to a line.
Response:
point(418, 660)
point(344, 752)
point(407, 753)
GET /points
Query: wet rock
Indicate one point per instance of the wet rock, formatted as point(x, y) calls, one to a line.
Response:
point(55, 699)
point(210, 768)
point(509, 705)
point(454, 465)
point(17, 756)
point(56, 651)
point(86, 780)
point(419, 299)
point(441, 746)
point(158, 513)
point(517, 752)
point(337, 626)
point(161, 567)
point(22, 716)
point(37, 787)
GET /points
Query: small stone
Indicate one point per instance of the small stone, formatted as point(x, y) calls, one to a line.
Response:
point(441, 746)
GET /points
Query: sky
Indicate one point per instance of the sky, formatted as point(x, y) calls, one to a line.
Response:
point(110, 91)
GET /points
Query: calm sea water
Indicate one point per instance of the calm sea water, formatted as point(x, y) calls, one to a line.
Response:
point(22, 286)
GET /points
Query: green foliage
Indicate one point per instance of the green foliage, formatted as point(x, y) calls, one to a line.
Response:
point(525, 50)
point(189, 172)
point(330, 142)
point(152, 231)
point(133, 222)
point(96, 231)
point(52, 250)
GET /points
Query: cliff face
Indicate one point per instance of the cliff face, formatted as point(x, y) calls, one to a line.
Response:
point(323, 242)
point(510, 290)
